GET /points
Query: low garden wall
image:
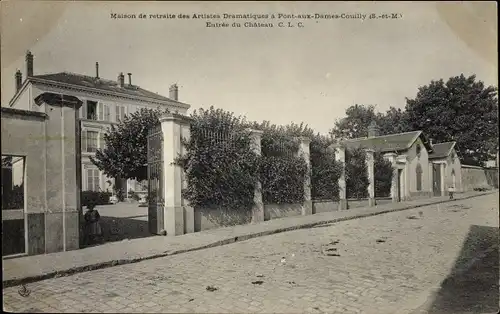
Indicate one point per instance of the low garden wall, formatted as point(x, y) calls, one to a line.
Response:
point(213, 218)
point(478, 178)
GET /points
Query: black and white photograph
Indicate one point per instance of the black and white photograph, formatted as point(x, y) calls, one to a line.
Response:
point(250, 157)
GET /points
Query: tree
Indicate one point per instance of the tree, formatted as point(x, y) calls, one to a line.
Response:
point(356, 122)
point(393, 121)
point(462, 110)
point(359, 117)
point(125, 152)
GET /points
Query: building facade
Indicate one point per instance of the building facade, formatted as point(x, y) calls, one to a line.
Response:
point(421, 169)
point(104, 103)
point(445, 157)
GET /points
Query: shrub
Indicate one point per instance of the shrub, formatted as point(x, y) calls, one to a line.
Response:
point(282, 179)
point(356, 173)
point(383, 176)
point(325, 171)
point(221, 168)
point(94, 197)
point(133, 195)
point(282, 171)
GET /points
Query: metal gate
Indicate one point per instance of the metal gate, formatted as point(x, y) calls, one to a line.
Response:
point(156, 198)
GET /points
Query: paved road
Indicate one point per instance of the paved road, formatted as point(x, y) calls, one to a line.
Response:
point(386, 264)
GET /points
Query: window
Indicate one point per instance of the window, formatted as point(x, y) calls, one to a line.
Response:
point(452, 157)
point(13, 231)
point(104, 112)
point(93, 179)
point(418, 171)
point(12, 182)
point(120, 113)
point(102, 141)
point(89, 141)
point(91, 110)
point(419, 149)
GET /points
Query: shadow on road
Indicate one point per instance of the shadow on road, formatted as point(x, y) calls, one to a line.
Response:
point(473, 284)
point(122, 228)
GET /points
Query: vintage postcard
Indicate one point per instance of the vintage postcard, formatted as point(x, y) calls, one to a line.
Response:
point(249, 157)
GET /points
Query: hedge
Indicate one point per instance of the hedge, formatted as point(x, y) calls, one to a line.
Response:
point(96, 198)
point(221, 168)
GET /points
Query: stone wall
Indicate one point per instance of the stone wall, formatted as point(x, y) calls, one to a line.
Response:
point(49, 141)
point(213, 218)
point(478, 177)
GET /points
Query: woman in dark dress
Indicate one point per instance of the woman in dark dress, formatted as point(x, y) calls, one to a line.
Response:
point(93, 229)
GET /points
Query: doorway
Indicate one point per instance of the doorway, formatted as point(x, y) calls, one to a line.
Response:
point(13, 203)
point(400, 184)
point(436, 178)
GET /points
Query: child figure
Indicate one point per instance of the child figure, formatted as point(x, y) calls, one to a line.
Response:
point(93, 229)
point(451, 190)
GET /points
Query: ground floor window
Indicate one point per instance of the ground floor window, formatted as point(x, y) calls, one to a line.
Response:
point(93, 179)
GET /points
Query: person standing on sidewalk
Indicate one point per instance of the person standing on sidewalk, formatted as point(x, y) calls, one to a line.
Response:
point(93, 231)
point(451, 190)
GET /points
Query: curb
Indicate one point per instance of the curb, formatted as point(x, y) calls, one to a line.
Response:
point(80, 269)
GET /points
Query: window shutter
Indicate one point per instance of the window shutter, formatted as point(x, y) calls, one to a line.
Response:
point(84, 110)
point(106, 113)
point(84, 140)
point(101, 113)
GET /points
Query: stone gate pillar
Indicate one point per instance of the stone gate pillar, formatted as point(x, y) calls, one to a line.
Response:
point(304, 151)
point(174, 128)
point(391, 157)
point(370, 162)
point(258, 207)
point(340, 157)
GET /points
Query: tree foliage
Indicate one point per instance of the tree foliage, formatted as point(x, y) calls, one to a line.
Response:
point(383, 176)
point(356, 172)
point(221, 168)
point(355, 123)
point(462, 110)
point(283, 171)
point(358, 118)
point(125, 152)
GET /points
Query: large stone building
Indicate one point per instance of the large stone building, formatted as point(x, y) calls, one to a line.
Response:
point(105, 102)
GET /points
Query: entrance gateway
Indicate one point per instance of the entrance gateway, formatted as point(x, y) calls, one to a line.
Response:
point(156, 197)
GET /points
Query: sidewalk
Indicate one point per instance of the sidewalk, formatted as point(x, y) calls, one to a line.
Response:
point(39, 267)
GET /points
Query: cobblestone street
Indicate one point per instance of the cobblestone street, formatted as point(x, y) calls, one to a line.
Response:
point(380, 264)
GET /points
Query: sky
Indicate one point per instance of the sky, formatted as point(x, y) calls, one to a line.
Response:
point(309, 74)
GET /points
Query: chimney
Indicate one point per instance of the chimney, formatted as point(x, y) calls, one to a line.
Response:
point(97, 70)
point(174, 92)
point(29, 64)
point(373, 129)
point(19, 80)
point(129, 79)
point(121, 79)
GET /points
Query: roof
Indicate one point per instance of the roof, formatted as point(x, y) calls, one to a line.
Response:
point(103, 85)
point(441, 150)
point(387, 143)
